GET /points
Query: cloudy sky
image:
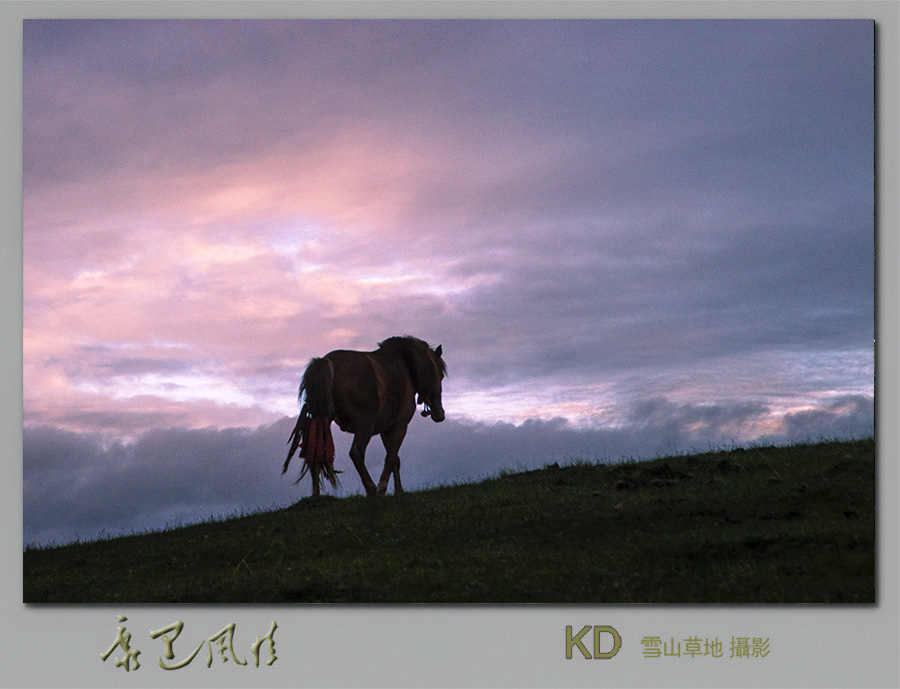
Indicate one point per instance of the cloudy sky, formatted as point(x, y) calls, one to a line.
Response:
point(631, 238)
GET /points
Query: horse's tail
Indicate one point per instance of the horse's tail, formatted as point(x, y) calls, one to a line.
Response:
point(312, 433)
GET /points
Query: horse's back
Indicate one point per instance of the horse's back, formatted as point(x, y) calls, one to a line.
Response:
point(370, 390)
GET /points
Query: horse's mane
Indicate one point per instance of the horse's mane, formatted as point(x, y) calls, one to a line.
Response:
point(407, 343)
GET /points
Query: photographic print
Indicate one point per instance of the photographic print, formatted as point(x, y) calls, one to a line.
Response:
point(449, 311)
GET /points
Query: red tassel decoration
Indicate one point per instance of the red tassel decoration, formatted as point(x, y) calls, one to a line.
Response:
point(317, 448)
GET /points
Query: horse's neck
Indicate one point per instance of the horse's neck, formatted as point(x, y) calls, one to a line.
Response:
point(409, 358)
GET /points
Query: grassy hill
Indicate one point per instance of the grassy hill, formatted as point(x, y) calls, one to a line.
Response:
point(764, 525)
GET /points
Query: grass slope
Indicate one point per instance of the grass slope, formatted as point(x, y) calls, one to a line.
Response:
point(765, 525)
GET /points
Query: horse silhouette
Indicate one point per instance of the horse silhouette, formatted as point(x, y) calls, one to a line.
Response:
point(366, 394)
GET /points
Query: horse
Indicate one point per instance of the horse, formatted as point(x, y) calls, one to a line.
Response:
point(366, 394)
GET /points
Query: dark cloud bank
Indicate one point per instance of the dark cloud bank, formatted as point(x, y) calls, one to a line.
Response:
point(79, 486)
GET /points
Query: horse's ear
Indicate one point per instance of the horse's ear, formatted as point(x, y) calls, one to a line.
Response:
point(439, 350)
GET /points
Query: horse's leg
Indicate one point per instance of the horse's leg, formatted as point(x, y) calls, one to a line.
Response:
point(358, 455)
point(392, 440)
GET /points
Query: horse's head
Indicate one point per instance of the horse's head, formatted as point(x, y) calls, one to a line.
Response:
point(430, 394)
